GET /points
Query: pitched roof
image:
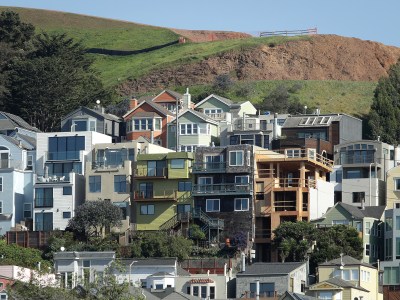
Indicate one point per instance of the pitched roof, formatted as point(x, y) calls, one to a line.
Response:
point(369, 211)
point(172, 93)
point(224, 100)
point(296, 120)
point(197, 114)
point(344, 284)
point(346, 260)
point(269, 269)
point(156, 106)
point(10, 122)
point(105, 115)
point(296, 296)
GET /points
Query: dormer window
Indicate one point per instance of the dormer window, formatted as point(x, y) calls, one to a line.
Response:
point(83, 125)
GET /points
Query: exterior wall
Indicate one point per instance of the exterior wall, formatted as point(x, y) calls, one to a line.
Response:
point(321, 198)
point(136, 274)
point(350, 129)
point(165, 281)
point(213, 103)
point(361, 185)
point(25, 275)
point(393, 195)
point(219, 281)
point(247, 108)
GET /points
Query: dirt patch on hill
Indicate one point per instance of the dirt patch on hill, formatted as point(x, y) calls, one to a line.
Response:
point(200, 36)
point(322, 57)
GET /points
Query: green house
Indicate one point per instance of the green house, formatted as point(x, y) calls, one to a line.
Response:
point(367, 221)
point(163, 189)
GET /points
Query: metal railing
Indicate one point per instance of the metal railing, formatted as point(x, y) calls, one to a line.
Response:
point(101, 165)
point(53, 178)
point(152, 172)
point(223, 188)
point(309, 31)
point(209, 167)
point(213, 223)
point(306, 153)
point(355, 159)
point(156, 195)
point(216, 116)
point(66, 155)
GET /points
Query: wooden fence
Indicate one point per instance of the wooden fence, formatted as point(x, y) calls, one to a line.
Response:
point(309, 31)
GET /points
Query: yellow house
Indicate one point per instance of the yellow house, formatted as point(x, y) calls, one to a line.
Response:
point(347, 278)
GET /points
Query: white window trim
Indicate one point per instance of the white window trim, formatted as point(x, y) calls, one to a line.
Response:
point(186, 128)
point(88, 120)
point(241, 204)
point(219, 205)
point(132, 124)
point(236, 151)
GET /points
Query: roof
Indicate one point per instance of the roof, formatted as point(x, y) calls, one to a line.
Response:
point(346, 260)
point(95, 112)
point(137, 262)
point(226, 101)
point(201, 280)
point(172, 93)
point(269, 269)
point(156, 106)
point(182, 272)
point(197, 114)
point(84, 254)
point(321, 120)
point(296, 296)
point(375, 212)
point(342, 283)
point(167, 294)
point(163, 274)
point(11, 122)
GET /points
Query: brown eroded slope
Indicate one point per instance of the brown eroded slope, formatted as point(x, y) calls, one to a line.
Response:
point(200, 36)
point(321, 57)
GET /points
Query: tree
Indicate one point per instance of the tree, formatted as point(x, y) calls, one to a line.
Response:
point(53, 79)
point(294, 239)
point(92, 217)
point(384, 117)
point(196, 233)
point(222, 83)
point(281, 100)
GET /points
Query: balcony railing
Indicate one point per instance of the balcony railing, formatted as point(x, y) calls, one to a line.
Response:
point(294, 183)
point(217, 116)
point(67, 155)
point(224, 188)
point(209, 167)
point(152, 172)
point(156, 195)
point(11, 164)
point(100, 165)
point(355, 159)
point(306, 153)
point(272, 295)
point(54, 178)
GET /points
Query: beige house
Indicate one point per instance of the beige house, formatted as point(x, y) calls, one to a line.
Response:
point(393, 187)
point(347, 278)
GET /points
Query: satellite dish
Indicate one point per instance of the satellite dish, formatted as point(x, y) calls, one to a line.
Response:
point(62, 249)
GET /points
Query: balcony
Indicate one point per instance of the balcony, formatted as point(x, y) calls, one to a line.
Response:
point(62, 156)
point(222, 189)
point(105, 166)
point(54, 178)
point(209, 167)
point(151, 173)
point(284, 183)
point(164, 195)
point(217, 116)
point(348, 159)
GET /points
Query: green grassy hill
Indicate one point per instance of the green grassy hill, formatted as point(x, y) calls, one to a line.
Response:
point(330, 96)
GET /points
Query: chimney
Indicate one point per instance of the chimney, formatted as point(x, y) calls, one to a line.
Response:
point(133, 103)
point(186, 101)
point(275, 129)
point(243, 262)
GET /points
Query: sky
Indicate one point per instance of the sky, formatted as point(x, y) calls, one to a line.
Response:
point(365, 19)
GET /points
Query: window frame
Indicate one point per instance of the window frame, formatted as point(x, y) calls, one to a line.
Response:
point(94, 187)
point(235, 164)
point(25, 210)
point(147, 206)
point(67, 188)
point(66, 217)
point(241, 204)
point(214, 201)
point(185, 186)
point(1, 183)
point(176, 160)
point(120, 186)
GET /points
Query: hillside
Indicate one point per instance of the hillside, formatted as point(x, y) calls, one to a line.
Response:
point(332, 68)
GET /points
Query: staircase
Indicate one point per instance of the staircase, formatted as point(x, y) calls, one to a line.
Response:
point(176, 220)
point(209, 223)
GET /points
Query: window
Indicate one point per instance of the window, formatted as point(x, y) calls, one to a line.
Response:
point(27, 210)
point(1, 207)
point(120, 183)
point(188, 129)
point(86, 264)
point(29, 162)
point(44, 197)
point(397, 184)
point(365, 275)
point(391, 276)
point(1, 184)
point(367, 249)
point(95, 184)
point(177, 163)
point(236, 158)
point(66, 215)
point(184, 186)
point(340, 222)
point(212, 292)
point(203, 291)
point(159, 286)
point(205, 184)
point(157, 124)
point(212, 111)
point(183, 208)
point(267, 289)
point(367, 227)
point(146, 190)
point(241, 204)
point(44, 221)
point(325, 295)
point(188, 148)
point(358, 197)
point(388, 248)
point(339, 175)
point(140, 124)
point(147, 209)
point(195, 291)
point(354, 274)
point(242, 180)
point(248, 158)
point(67, 190)
point(389, 224)
point(3, 296)
point(212, 205)
point(65, 148)
point(397, 248)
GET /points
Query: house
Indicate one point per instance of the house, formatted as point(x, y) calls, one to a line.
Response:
point(295, 296)
point(11, 124)
point(88, 119)
point(168, 100)
point(195, 130)
point(393, 187)
point(59, 183)
point(289, 186)
point(163, 190)
point(113, 163)
point(147, 119)
point(76, 268)
point(167, 294)
point(222, 109)
point(346, 278)
point(17, 156)
point(12, 273)
point(258, 130)
point(360, 172)
point(368, 222)
point(223, 191)
point(274, 279)
point(152, 273)
point(319, 131)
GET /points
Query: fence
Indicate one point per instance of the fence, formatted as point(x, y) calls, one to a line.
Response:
point(309, 31)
